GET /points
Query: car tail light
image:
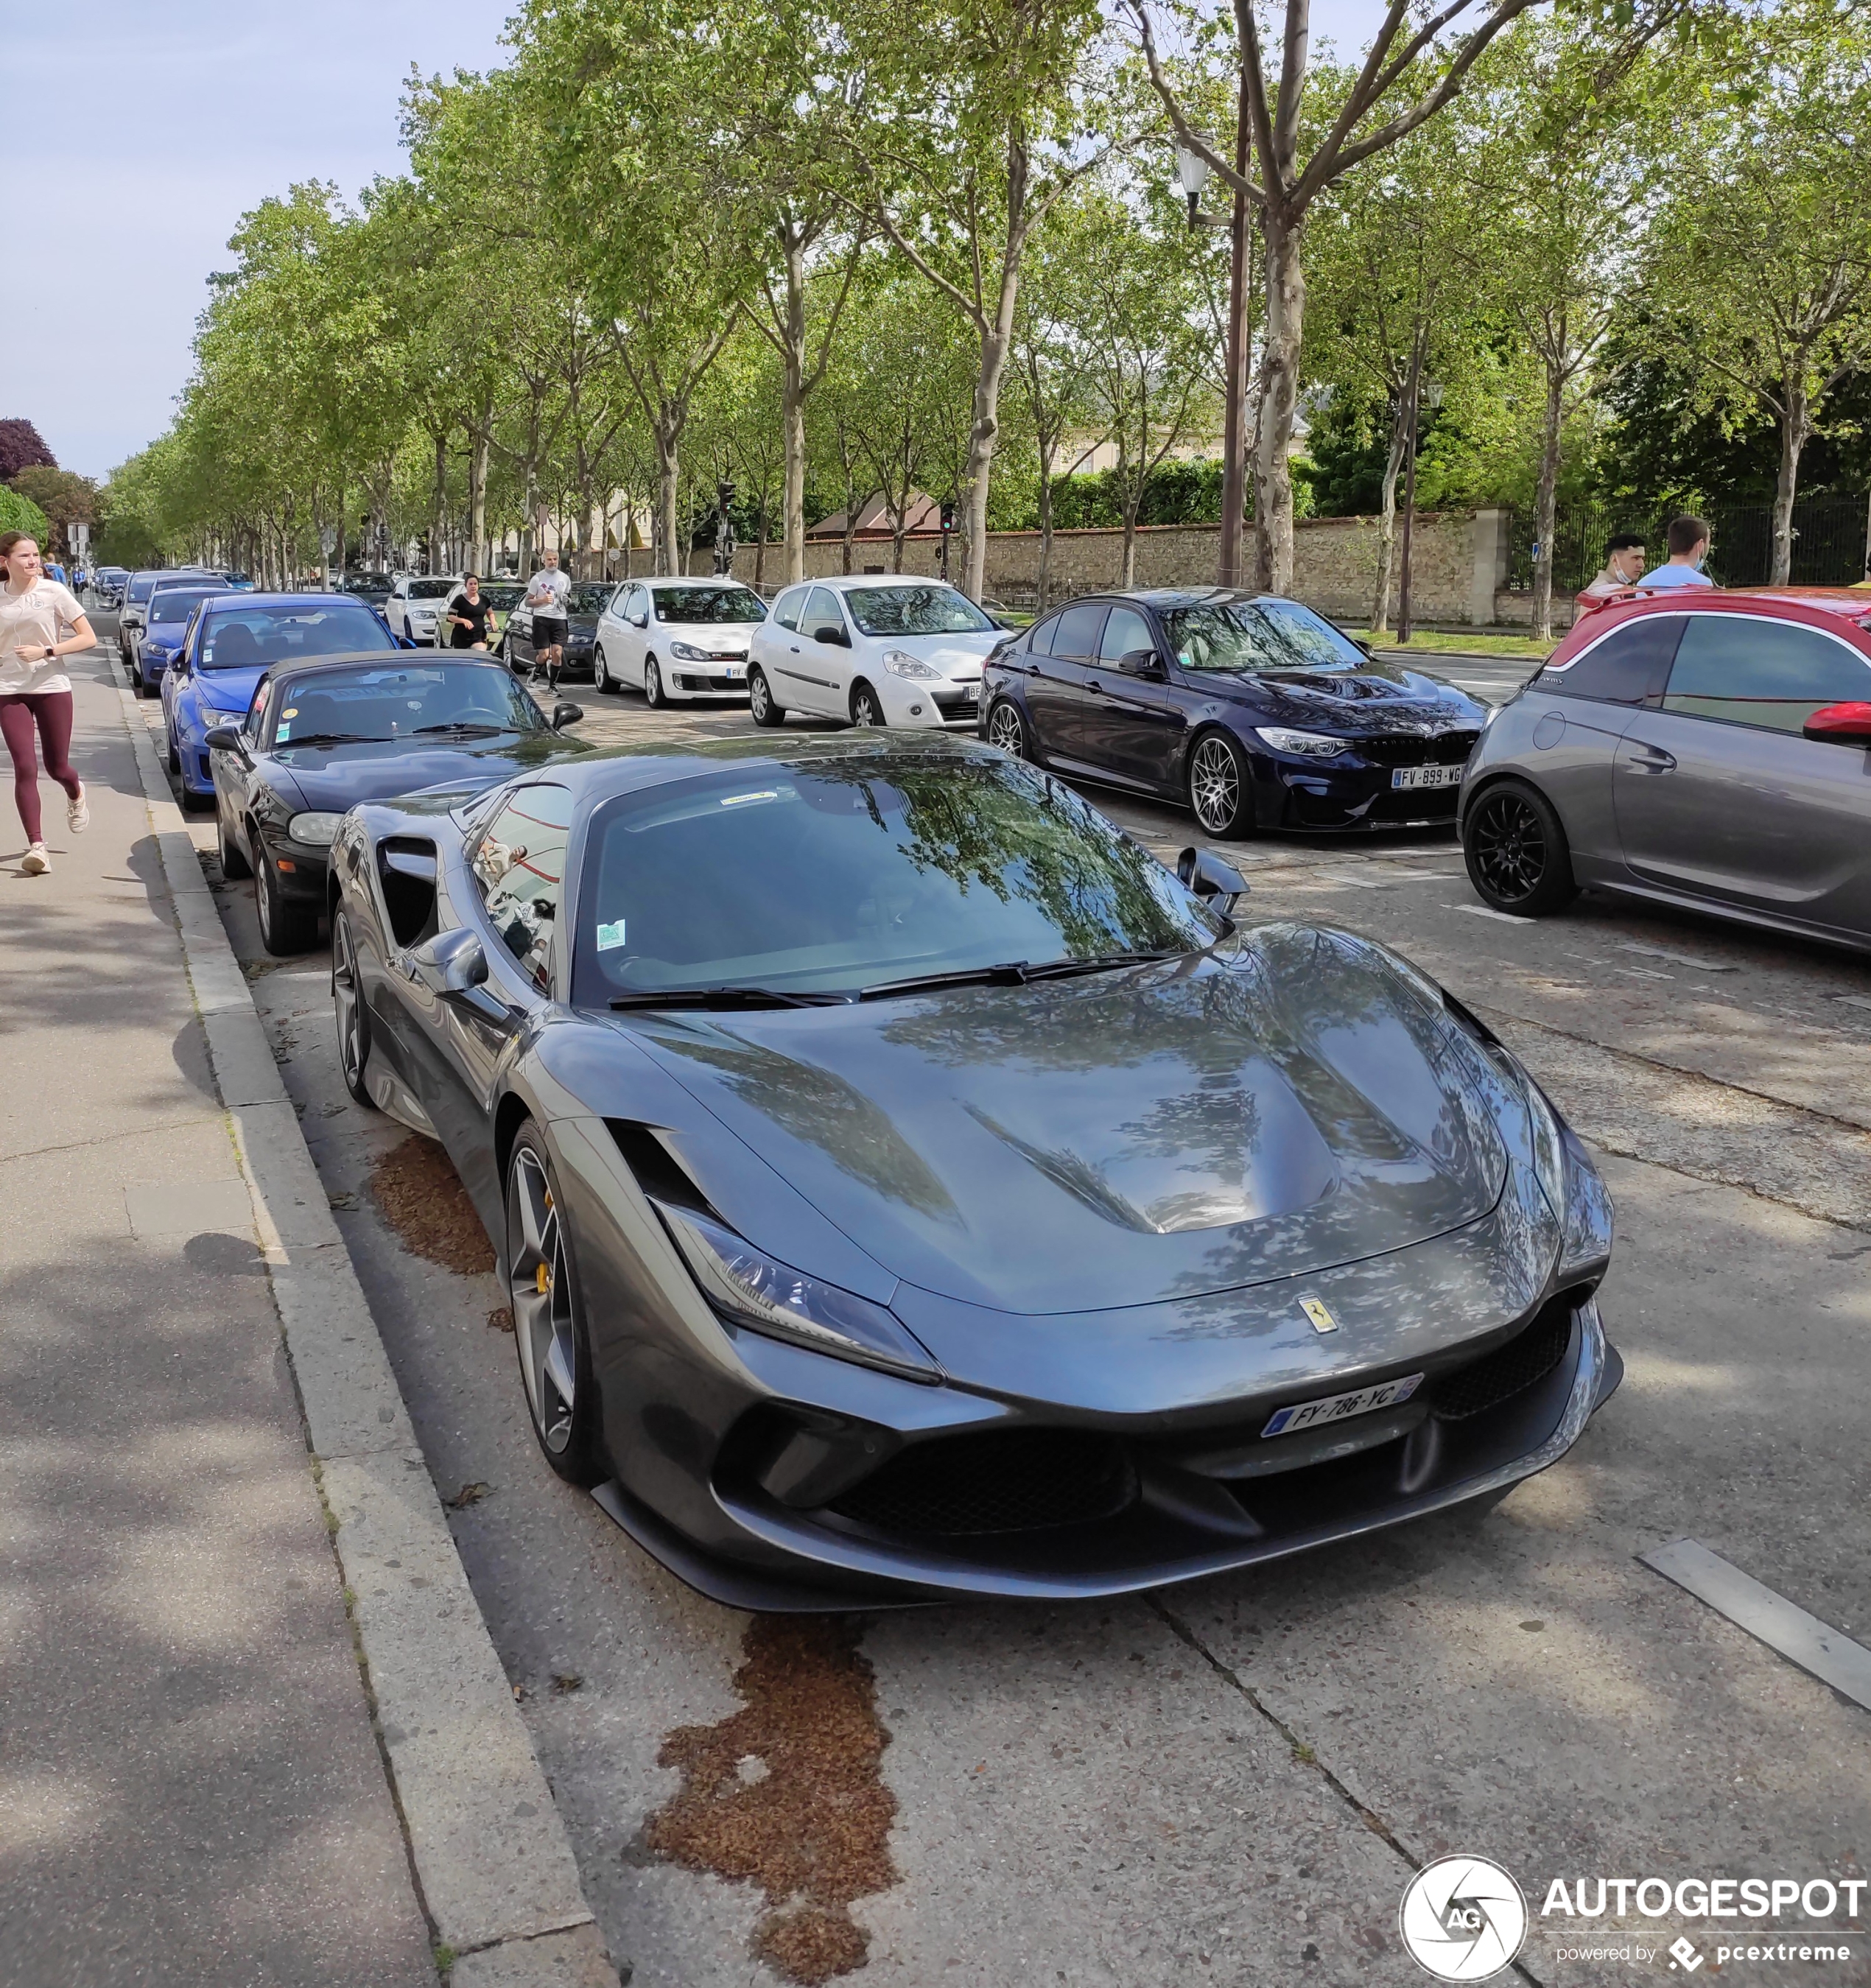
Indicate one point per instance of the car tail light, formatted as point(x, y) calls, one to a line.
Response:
point(1847, 724)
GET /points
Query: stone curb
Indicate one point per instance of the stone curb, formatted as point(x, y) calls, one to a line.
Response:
point(490, 1850)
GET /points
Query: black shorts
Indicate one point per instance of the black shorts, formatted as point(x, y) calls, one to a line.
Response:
point(549, 631)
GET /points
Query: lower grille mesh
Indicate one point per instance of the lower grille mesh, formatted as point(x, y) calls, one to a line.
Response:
point(1010, 1482)
point(1496, 1377)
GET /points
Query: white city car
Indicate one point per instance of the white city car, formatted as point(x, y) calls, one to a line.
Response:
point(884, 649)
point(676, 640)
point(416, 604)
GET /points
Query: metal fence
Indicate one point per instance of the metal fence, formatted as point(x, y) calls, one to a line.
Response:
point(1830, 536)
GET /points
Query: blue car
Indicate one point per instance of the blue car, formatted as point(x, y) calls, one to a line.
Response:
point(166, 617)
point(234, 640)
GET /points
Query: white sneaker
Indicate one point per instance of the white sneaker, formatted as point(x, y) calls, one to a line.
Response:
point(37, 862)
point(78, 812)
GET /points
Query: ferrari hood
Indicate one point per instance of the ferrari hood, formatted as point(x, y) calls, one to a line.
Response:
point(1121, 1139)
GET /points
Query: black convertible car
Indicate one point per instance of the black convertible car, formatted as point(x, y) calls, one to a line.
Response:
point(320, 736)
point(1250, 710)
point(906, 1186)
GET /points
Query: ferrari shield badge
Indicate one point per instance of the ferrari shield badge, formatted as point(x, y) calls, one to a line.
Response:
point(1317, 1316)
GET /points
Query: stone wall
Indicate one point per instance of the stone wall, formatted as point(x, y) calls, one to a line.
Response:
point(1458, 563)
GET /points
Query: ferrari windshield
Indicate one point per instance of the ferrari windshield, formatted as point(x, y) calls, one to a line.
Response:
point(449, 702)
point(915, 610)
point(694, 604)
point(246, 638)
point(1268, 634)
point(850, 874)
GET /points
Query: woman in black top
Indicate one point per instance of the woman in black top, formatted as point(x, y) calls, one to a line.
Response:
point(468, 616)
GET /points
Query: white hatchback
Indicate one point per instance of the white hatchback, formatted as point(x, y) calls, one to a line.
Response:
point(416, 606)
point(881, 649)
point(676, 640)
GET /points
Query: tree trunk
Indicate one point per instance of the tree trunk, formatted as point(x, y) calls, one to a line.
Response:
point(1046, 530)
point(1545, 505)
point(440, 523)
point(1387, 524)
point(1275, 402)
point(983, 434)
point(1795, 426)
point(667, 432)
point(477, 498)
point(792, 405)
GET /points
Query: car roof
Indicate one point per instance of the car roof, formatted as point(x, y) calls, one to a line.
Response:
point(1852, 603)
point(406, 659)
point(310, 598)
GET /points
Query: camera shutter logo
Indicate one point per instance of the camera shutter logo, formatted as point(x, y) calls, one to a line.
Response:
point(1463, 1918)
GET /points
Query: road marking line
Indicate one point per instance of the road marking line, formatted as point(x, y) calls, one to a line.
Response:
point(1684, 960)
point(1816, 1647)
point(1482, 911)
point(1850, 1000)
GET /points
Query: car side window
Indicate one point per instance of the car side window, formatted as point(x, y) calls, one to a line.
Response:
point(1629, 666)
point(256, 710)
point(633, 604)
point(822, 608)
point(785, 609)
point(1126, 630)
point(1746, 669)
point(1079, 628)
point(519, 868)
point(1040, 640)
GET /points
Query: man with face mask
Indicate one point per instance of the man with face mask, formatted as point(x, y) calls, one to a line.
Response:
point(1623, 563)
point(1689, 546)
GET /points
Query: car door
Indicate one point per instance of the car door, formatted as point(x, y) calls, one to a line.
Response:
point(633, 620)
point(775, 644)
point(518, 867)
point(1056, 693)
point(1575, 739)
point(1131, 725)
point(820, 670)
point(233, 770)
point(1718, 794)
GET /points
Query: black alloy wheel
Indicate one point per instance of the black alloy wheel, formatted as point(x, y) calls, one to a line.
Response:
point(234, 864)
point(1516, 852)
point(1007, 729)
point(653, 695)
point(765, 713)
point(549, 1329)
point(866, 708)
point(348, 1010)
point(1220, 792)
point(286, 928)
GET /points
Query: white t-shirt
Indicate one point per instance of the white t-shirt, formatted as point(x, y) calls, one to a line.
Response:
point(46, 613)
point(556, 581)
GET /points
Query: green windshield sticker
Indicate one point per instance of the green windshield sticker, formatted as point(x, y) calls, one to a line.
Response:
point(281, 736)
point(610, 937)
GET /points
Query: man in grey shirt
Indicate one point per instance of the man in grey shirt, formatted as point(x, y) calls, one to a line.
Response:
point(548, 594)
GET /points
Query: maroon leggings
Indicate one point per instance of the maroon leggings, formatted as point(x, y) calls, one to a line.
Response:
point(52, 710)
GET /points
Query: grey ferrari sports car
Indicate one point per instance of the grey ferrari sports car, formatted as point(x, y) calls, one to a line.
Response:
point(908, 1187)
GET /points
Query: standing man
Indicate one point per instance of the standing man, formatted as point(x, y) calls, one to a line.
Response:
point(1689, 546)
point(1623, 563)
point(547, 594)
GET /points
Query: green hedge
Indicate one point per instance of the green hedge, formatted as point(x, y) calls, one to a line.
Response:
point(21, 514)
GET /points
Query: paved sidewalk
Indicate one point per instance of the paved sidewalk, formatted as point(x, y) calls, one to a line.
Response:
point(191, 1792)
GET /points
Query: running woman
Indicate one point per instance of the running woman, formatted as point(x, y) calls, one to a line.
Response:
point(41, 623)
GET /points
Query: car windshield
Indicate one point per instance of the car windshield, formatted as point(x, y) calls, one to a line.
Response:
point(247, 638)
point(735, 604)
point(177, 603)
point(367, 586)
point(440, 700)
point(502, 596)
point(1259, 635)
point(432, 589)
point(592, 598)
point(841, 875)
point(915, 611)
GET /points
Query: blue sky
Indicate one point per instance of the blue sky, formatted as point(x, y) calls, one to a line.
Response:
point(141, 130)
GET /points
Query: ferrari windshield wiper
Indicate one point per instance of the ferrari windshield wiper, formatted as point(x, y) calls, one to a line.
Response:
point(721, 997)
point(462, 729)
point(1010, 973)
point(1099, 962)
point(335, 738)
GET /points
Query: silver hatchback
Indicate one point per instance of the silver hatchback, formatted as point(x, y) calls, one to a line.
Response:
point(1710, 752)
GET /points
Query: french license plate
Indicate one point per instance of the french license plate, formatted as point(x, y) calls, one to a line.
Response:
point(1341, 1408)
point(730, 669)
point(1426, 776)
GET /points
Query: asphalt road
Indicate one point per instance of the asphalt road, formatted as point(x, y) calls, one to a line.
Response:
point(1232, 1782)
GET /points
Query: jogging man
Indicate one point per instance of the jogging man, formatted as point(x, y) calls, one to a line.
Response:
point(548, 593)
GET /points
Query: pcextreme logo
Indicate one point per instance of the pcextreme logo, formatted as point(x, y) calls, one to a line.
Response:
point(1463, 1918)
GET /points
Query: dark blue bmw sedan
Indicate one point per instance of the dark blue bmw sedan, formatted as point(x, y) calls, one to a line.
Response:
point(1250, 710)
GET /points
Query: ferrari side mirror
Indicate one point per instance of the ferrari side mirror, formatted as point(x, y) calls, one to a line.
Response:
point(563, 714)
point(1214, 880)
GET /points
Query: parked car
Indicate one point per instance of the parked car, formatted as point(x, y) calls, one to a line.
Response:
point(677, 640)
point(885, 649)
point(373, 587)
point(1063, 1238)
point(233, 641)
point(1710, 752)
point(1250, 710)
point(414, 606)
point(166, 617)
point(587, 601)
point(319, 738)
point(136, 591)
point(107, 583)
point(502, 596)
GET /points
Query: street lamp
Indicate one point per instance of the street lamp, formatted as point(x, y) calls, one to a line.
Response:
point(1192, 173)
point(1420, 391)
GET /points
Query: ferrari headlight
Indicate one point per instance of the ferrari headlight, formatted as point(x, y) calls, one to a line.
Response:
point(900, 662)
point(314, 828)
point(1307, 744)
point(752, 1289)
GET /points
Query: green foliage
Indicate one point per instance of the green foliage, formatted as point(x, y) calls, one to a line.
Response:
point(19, 513)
